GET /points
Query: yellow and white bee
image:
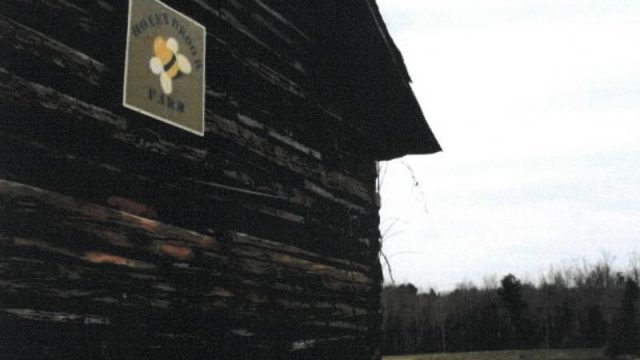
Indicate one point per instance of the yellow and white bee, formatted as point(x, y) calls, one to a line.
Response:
point(167, 62)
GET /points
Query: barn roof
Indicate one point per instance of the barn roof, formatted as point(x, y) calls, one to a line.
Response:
point(413, 134)
point(369, 78)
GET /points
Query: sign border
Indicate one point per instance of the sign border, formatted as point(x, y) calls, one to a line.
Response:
point(204, 73)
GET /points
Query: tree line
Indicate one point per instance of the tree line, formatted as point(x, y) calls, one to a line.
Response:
point(588, 306)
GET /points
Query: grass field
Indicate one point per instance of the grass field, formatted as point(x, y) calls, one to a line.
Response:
point(575, 354)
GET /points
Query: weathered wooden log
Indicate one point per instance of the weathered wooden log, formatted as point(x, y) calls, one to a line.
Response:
point(123, 231)
point(33, 94)
point(62, 277)
point(226, 53)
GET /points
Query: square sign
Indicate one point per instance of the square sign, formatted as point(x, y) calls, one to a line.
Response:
point(165, 65)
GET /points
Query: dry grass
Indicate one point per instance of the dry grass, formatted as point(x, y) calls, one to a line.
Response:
point(574, 354)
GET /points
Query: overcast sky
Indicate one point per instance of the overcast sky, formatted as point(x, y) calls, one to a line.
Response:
point(537, 106)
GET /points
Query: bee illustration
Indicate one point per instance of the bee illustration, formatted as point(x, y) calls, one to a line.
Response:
point(167, 62)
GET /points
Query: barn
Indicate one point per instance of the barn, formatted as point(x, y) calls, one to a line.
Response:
point(205, 194)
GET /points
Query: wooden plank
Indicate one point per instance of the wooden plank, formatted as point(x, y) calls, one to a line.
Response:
point(92, 271)
point(50, 101)
point(19, 91)
point(74, 66)
point(123, 239)
point(44, 59)
point(114, 187)
point(230, 68)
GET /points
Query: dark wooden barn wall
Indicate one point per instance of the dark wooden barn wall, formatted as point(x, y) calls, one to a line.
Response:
point(123, 237)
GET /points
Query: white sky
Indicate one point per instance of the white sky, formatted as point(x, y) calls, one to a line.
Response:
point(537, 106)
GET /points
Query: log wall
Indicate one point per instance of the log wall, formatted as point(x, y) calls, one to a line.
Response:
point(124, 237)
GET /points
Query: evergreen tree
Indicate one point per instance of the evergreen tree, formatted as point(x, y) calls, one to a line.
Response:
point(625, 334)
point(511, 295)
point(595, 332)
